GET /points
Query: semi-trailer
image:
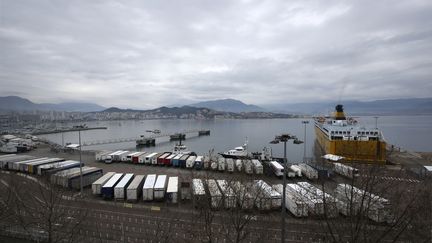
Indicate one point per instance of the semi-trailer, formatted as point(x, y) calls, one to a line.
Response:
point(120, 188)
point(7, 163)
point(161, 159)
point(71, 178)
point(119, 157)
point(190, 162)
point(230, 165)
point(57, 166)
point(315, 205)
point(107, 189)
point(244, 196)
point(182, 161)
point(296, 169)
point(199, 163)
point(257, 167)
point(215, 195)
point(149, 158)
point(239, 165)
point(32, 168)
point(270, 198)
point(97, 185)
point(175, 160)
point(112, 156)
point(308, 171)
point(136, 157)
point(248, 167)
point(19, 165)
point(160, 187)
point(172, 189)
point(148, 187)
point(329, 202)
point(228, 194)
point(101, 155)
point(198, 193)
point(277, 168)
point(346, 170)
point(294, 202)
point(134, 190)
point(169, 159)
point(221, 164)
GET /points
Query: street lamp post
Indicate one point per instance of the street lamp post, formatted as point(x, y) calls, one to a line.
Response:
point(284, 138)
point(304, 139)
point(80, 153)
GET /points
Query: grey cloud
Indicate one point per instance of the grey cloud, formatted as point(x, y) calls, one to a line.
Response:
point(152, 53)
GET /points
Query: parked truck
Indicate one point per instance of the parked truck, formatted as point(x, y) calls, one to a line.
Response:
point(120, 188)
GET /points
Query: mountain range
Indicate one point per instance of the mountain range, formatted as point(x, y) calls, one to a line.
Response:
point(15, 103)
point(229, 105)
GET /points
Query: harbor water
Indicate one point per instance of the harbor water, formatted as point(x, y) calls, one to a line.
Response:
point(407, 132)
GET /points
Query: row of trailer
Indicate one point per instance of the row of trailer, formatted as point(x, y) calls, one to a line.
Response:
point(190, 161)
point(130, 187)
point(65, 173)
point(304, 199)
point(218, 194)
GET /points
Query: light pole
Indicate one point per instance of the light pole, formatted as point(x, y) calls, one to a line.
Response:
point(284, 138)
point(304, 139)
point(81, 178)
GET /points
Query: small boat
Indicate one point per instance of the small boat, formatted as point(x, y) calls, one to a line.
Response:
point(237, 152)
point(178, 136)
point(145, 141)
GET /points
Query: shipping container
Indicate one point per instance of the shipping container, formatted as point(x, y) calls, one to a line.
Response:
point(199, 163)
point(120, 188)
point(229, 197)
point(160, 187)
point(190, 162)
point(182, 161)
point(198, 193)
point(170, 158)
point(277, 168)
point(48, 169)
point(257, 167)
point(107, 189)
point(176, 159)
point(172, 189)
point(148, 187)
point(216, 200)
point(229, 165)
point(97, 185)
point(134, 190)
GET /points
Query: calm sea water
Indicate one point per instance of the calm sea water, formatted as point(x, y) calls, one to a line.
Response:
point(409, 132)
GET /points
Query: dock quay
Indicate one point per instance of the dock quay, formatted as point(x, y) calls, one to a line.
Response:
point(145, 140)
point(72, 129)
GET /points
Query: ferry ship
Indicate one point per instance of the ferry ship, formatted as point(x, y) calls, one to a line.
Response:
point(344, 137)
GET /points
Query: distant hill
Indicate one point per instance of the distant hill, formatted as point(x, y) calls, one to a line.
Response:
point(414, 106)
point(229, 105)
point(16, 103)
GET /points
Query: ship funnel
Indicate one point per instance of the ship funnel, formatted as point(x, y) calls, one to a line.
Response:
point(339, 113)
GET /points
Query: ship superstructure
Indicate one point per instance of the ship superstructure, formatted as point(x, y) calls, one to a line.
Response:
point(344, 137)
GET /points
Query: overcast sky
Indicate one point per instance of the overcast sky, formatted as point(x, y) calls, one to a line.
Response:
point(143, 54)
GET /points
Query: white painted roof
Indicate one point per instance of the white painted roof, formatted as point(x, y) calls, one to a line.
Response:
point(125, 180)
point(113, 180)
point(150, 181)
point(160, 182)
point(172, 184)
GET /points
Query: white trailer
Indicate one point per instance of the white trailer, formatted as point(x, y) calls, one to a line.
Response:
point(315, 205)
point(127, 157)
point(230, 165)
point(142, 157)
point(294, 202)
point(199, 162)
point(148, 187)
point(248, 166)
point(101, 155)
point(13, 158)
point(352, 199)
point(57, 166)
point(111, 157)
point(296, 170)
point(277, 168)
point(215, 194)
point(22, 165)
point(330, 203)
point(134, 190)
point(206, 162)
point(239, 165)
point(190, 162)
point(257, 167)
point(229, 196)
point(346, 170)
point(221, 164)
point(172, 189)
point(198, 192)
point(97, 185)
point(268, 194)
point(308, 171)
point(160, 187)
point(149, 158)
point(244, 195)
point(120, 188)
